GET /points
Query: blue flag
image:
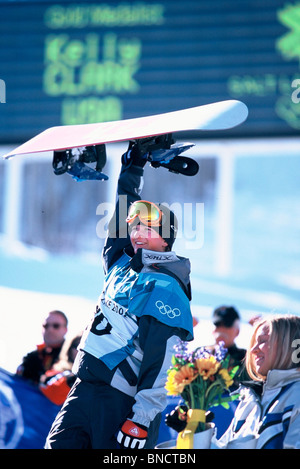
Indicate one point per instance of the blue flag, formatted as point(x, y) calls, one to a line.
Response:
point(26, 414)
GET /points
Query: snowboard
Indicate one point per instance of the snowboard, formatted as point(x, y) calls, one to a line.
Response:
point(155, 131)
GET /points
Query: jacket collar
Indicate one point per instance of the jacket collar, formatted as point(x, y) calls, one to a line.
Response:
point(279, 378)
point(275, 379)
point(145, 257)
point(255, 386)
point(153, 257)
point(165, 262)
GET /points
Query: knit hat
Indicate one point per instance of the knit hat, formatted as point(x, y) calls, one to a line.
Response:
point(169, 227)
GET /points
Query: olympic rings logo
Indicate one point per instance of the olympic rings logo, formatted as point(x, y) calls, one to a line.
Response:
point(166, 309)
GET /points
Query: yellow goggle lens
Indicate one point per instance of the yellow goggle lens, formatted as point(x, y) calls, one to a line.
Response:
point(147, 212)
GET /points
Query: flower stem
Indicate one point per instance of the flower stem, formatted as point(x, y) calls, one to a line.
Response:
point(192, 398)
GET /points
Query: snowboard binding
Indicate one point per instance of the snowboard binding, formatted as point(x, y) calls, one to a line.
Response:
point(162, 151)
point(75, 162)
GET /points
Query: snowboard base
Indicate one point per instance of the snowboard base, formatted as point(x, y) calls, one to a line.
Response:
point(220, 115)
point(76, 146)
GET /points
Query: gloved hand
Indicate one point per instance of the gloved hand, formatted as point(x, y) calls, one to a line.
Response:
point(176, 419)
point(132, 435)
point(136, 154)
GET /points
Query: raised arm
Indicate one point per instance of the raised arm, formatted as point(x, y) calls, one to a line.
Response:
point(128, 190)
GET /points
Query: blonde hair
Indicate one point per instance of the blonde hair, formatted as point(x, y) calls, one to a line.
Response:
point(283, 330)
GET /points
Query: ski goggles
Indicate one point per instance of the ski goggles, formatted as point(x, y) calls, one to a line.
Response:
point(148, 213)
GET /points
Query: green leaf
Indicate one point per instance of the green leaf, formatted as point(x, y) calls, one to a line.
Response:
point(225, 405)
point(225, 362)
point(234, 371)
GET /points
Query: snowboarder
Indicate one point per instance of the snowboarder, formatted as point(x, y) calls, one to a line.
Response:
point(144, 308)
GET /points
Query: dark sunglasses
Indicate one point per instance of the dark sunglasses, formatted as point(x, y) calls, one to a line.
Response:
point(55, 325)
point(222, 324)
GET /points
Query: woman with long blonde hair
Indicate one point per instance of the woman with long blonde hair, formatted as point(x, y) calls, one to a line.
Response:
point(268, 415)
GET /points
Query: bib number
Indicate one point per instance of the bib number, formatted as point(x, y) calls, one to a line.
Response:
point(100, 325)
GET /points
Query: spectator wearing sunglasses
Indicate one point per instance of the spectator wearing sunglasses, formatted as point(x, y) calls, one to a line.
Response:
point(56, 383)
point(143, 310)
point(37, 362)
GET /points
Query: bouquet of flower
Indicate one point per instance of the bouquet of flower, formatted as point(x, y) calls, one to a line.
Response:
point(201, 378)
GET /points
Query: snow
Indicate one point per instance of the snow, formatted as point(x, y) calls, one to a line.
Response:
point(22, 316)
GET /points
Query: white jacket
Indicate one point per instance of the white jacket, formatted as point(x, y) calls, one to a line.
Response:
point(268, 415)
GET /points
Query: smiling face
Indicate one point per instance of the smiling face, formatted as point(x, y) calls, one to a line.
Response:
point(262, 352)
point(144, 237)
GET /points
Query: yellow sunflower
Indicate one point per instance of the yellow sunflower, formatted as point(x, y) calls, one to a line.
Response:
point(171, 386)
point(178, 379)
point(207, 366)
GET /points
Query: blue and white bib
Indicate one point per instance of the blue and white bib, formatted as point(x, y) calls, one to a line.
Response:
point(128, 295)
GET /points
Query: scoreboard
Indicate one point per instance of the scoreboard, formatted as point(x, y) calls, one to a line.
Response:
point(74, 62)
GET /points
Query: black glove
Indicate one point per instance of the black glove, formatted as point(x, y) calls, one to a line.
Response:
point(135, 155)
point(176, 419)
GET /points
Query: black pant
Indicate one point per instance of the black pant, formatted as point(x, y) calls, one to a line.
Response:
point(91, 418)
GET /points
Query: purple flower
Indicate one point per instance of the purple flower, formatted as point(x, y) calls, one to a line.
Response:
point(181, 350)
point(220, 351)
point(198, 353)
